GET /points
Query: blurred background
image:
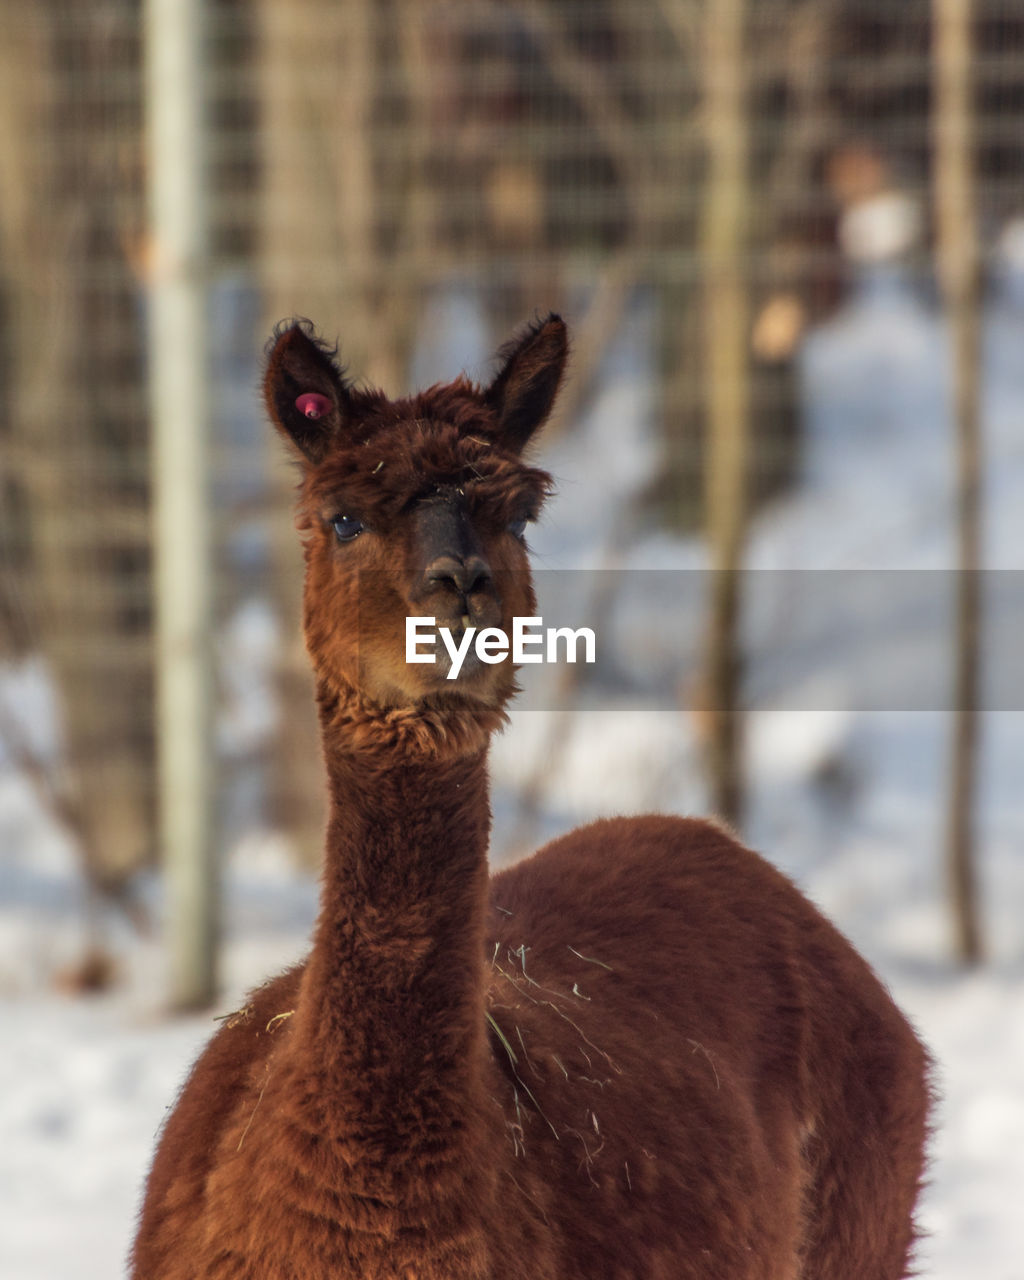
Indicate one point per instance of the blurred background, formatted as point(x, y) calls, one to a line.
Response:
point(788, 236)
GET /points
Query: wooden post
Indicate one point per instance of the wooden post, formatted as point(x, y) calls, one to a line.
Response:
point(726, 359)
point(958, 271)
point(178, 347)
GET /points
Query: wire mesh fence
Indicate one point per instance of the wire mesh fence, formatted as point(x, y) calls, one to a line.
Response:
point(376, 164)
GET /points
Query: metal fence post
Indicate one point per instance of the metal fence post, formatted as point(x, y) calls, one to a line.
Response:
point(957, 241)
point(727, 383)
point(180, 398)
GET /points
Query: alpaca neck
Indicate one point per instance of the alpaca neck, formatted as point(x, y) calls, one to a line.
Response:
point(392, 999)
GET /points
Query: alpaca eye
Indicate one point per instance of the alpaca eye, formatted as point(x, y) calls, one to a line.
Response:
point(347, 527)
point(517, 528)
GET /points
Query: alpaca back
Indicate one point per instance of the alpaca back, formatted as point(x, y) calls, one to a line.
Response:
point(714, 1072)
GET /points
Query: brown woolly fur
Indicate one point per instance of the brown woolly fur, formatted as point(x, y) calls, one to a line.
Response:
point(641, 1053)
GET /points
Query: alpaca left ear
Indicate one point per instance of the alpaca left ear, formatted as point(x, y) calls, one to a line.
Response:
point(523, 393)
point(305, 391)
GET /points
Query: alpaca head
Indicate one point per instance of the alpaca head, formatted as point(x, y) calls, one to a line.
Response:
point(413, 508)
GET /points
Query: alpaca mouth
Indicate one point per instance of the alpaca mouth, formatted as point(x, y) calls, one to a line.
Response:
point(449, 649)
point(467, 664)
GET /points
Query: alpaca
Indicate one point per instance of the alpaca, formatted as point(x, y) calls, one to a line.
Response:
point(639, 1053)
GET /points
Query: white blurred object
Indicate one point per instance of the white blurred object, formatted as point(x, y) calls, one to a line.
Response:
point(880, 228)
point(1010, 246)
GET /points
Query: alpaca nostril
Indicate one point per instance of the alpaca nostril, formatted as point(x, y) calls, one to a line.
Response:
point(466, 576)
point(478, 575)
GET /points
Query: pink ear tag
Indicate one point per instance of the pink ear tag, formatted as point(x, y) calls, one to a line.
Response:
point(312, 405)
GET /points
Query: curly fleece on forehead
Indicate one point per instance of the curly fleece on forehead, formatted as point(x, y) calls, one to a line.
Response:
point(395, 453)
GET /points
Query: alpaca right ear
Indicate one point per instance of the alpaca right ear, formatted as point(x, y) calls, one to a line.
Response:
point(304, 390)
point(523, 393)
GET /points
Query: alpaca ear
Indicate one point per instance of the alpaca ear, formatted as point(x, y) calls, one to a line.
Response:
point(304, 390)
point(523, 393)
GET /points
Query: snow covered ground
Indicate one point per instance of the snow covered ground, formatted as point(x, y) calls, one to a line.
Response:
point(847, 800)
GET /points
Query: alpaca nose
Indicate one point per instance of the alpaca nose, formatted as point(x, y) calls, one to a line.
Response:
point(467, 574)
